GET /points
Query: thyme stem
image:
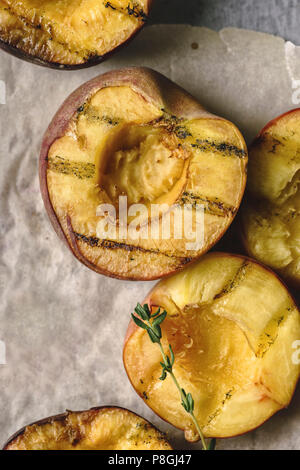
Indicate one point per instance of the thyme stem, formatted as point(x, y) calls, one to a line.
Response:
point(154, 331)
point(198, 430)
point(191, 413)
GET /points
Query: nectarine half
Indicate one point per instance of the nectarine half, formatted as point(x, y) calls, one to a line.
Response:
point(133, 134)
point(69, 34)
point(234, 329)
point(271, 215)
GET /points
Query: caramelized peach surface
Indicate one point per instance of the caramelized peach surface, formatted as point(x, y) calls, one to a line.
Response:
point(232, 325)
point(143, 138)
point(96, 429)
point(271, 216)
point(70, 32)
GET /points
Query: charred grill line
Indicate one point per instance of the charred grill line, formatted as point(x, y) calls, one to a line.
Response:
point(137, 12)
point(91, 114)
point(224, 148)
point(47, 32)
point(109, 5)
point(214, 207)
point(267, 138)
point(214, 415)
point(67, 167)
point(172, 124)
point(265, 345)
point(176, 125)
point(235, 282)
point(270, 335)
point(132, 9)
point(112, 245)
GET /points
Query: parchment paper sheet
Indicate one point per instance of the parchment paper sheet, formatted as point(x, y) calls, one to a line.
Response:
point(62, 324)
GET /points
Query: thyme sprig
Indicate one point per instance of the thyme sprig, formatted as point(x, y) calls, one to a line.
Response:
point(152, 324)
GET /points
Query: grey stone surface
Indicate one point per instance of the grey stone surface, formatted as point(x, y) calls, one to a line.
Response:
point(279, 17)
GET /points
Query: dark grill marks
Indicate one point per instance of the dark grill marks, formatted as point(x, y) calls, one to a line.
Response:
point(172, 124)
point(112, 245)
point(216, 413)
point(235, 282)
point(271, 141)
point(67, 167)
point(182, 132)
point(137, 12)
point(270, 334)
point(213, 207)
point(226, 149)
point(46, 31)
point(132, 9)
point(176, 125)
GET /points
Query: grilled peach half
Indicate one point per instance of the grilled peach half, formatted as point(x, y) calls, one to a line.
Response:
point(69, 33)
point(271, 216)
point(134, 135)
point(107, 428)
point(233, 327)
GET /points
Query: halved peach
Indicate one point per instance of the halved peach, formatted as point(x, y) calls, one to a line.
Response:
point(69, 34)
point(271, 215)
point(132, 133)
point(233, 327)
point(106, 428)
